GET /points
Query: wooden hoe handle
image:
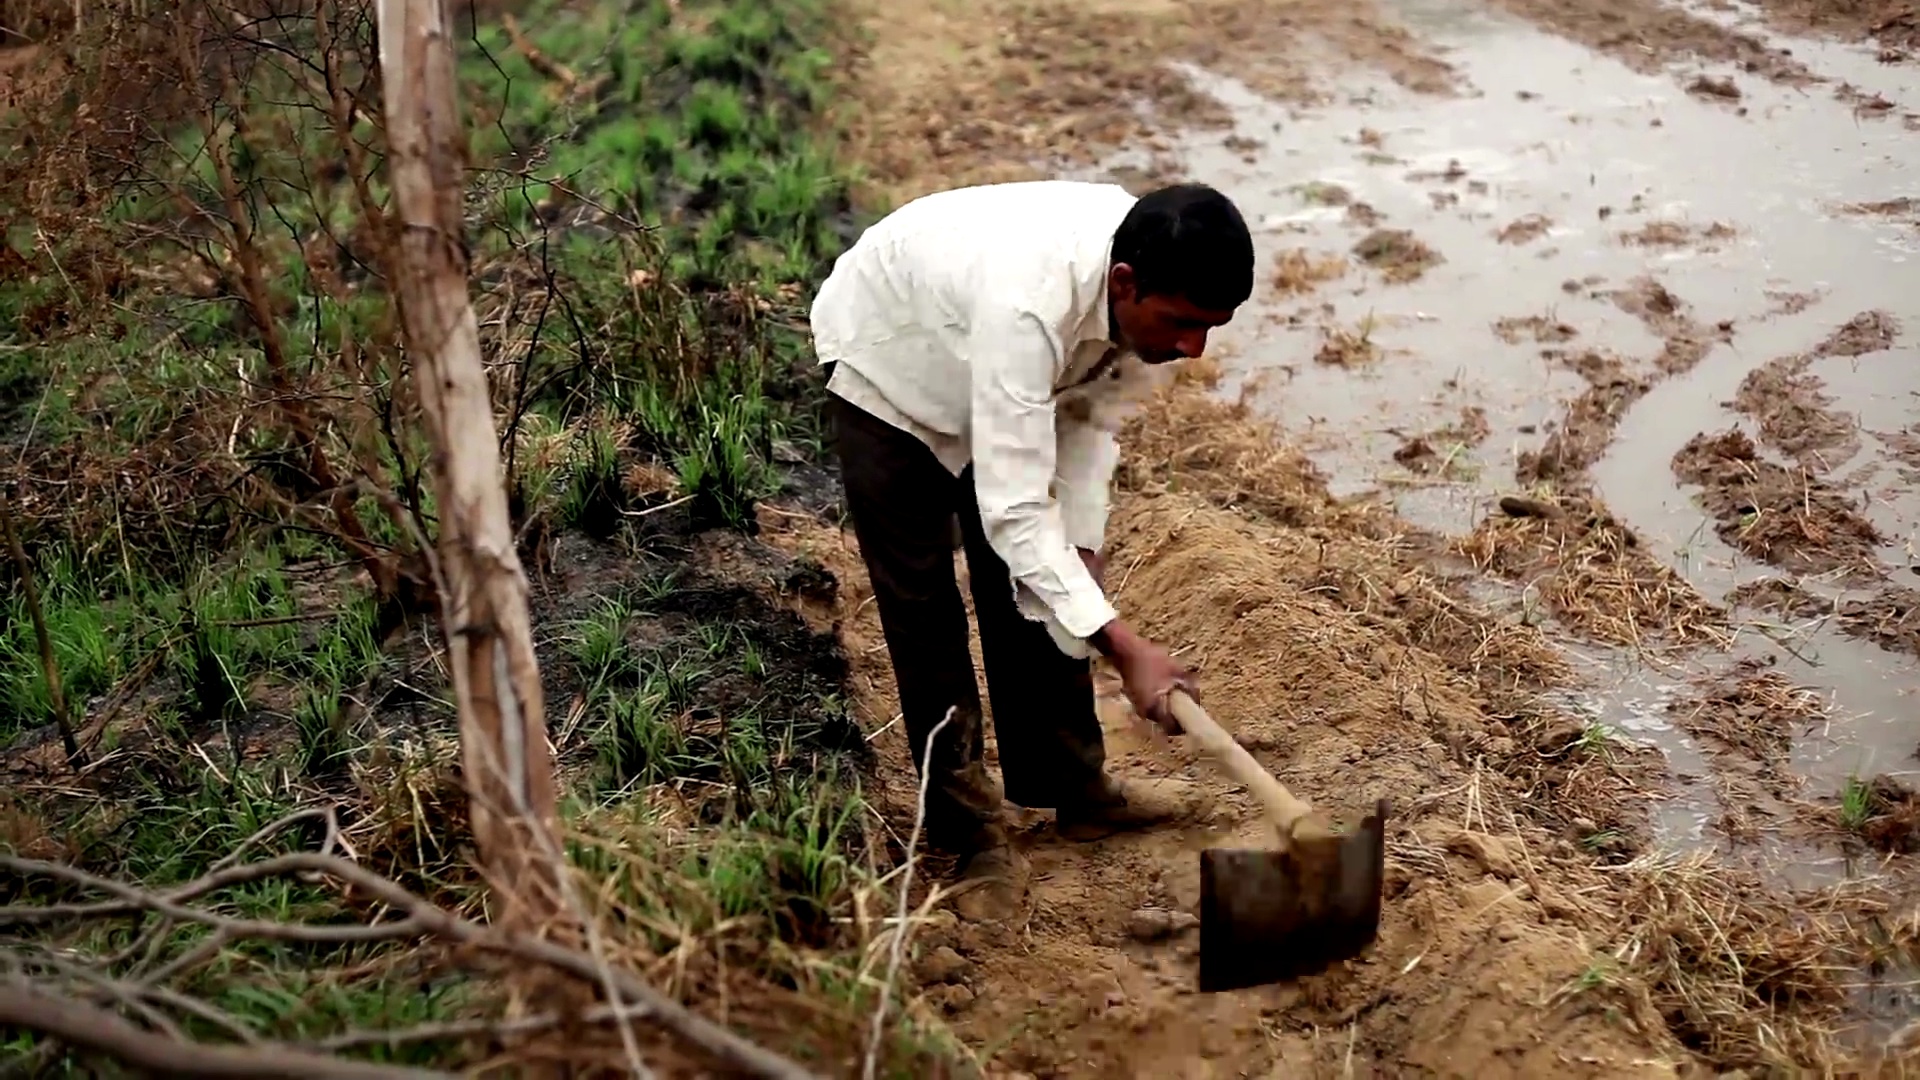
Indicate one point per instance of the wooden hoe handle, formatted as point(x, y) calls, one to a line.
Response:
point(1282, 807)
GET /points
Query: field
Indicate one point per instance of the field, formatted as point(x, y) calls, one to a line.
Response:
point(1558, 485)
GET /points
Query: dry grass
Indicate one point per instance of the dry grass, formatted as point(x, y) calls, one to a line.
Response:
point(1348, 347)
point(1300, 270)
point(1189, 441)
point(1750, 976)
point(1591, 573)
point(1676, 234)
point(1397, 254)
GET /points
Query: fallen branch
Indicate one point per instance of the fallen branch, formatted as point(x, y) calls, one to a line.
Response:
point(419, 916)
point(88, 1028)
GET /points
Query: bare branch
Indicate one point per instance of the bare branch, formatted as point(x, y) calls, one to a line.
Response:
point(743, 1057)
point(83, 1026)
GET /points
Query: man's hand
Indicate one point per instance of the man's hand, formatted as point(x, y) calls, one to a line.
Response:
point(1096, 565)
point(1148, 672)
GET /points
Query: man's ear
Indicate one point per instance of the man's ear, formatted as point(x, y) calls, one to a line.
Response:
point(1121, 283)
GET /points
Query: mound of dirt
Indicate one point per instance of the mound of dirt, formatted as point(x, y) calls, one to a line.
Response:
point(1890, 618)
point(983, 92)
point(1747, 717)
point(1479, 932)
point(1649, 36)
point(1795, 414)
point(1539, 328)
point(1867, 332)
point(1357, 553)
point(1673, 234)
point(1423, 453)
point(1684, 340)
point(1895, 24)
point(1749, 712)
point(1786, 517)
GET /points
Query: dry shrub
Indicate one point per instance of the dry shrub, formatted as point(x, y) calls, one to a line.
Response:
point(410, 822)
point(663, 909)
point(24, 831)
point(1592, 573)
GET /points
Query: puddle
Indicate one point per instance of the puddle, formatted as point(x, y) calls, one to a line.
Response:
point(1554, 130)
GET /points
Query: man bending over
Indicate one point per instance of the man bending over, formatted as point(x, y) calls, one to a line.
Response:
point(981, 344)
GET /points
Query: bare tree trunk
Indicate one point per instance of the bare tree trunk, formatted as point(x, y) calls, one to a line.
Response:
point(496, 679)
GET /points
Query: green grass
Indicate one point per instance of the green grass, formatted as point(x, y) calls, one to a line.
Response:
point(1856, 804)
point(644, 241)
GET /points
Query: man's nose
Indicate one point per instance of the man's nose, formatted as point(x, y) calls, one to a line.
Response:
point(1193, 344)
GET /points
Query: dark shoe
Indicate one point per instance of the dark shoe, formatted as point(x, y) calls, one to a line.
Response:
point(990, 884)
point(1127, 807)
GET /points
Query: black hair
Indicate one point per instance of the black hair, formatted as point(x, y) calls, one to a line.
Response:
point(1188, 240)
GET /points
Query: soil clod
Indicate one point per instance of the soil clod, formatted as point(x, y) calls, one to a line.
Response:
point(1397, 254)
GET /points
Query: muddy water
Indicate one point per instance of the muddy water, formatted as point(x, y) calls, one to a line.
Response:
point(1549, 128)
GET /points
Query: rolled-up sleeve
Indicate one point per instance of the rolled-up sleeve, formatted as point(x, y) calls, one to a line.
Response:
point(1015, 452)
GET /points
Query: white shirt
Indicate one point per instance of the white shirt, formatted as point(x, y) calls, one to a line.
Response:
point(972, 318)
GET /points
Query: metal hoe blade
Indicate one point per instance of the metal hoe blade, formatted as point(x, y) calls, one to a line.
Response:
point(1267, 916)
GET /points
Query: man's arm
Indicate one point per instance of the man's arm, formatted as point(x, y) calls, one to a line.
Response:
point(1015, 452)
point(1016, 449)
point(1083, 481)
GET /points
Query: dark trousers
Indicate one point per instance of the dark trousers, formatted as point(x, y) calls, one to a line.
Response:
point(903, 503)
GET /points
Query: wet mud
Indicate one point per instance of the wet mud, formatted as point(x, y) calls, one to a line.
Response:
point(1787, 517)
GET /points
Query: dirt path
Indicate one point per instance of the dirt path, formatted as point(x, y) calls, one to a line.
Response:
point(1537, 691)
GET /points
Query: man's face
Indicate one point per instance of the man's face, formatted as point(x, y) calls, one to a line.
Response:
point(1160, 328)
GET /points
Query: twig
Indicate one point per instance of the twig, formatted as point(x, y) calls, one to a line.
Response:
point(89, 1028)
point(906, 884)
point(461, 1029)
point(49, 665)
point(743, 1058)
